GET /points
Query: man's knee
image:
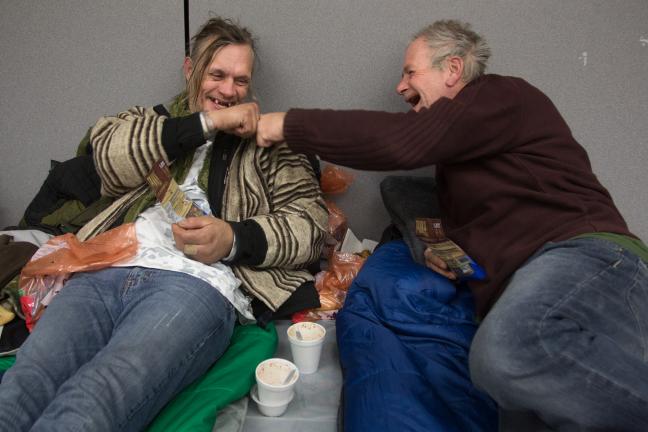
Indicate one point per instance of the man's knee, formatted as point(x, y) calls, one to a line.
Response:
point(504, 350)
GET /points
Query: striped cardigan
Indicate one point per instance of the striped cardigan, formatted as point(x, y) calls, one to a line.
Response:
point(272, 186)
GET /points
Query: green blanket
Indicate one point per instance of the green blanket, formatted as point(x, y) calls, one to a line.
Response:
point(231, 378)
point(6, 362)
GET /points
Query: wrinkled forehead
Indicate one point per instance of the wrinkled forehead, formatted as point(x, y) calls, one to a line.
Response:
point(234, 59)
point(418, 54)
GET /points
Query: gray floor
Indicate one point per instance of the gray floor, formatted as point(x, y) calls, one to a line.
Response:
point(317, 396)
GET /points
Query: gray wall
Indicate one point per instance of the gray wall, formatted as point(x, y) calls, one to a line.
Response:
point(65, 63)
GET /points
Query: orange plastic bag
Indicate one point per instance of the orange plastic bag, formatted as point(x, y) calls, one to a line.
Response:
point(43, 277)
point(335, 180)
point(343, 268)
point(332, 286)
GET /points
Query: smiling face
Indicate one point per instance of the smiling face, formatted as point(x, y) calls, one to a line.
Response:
point(227, 78)
point(423, 84)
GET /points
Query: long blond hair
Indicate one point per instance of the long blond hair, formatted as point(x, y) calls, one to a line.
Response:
point(212, 36)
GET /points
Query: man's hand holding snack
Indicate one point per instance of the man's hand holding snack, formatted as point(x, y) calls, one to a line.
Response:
point(438, 265)
point(205, 239)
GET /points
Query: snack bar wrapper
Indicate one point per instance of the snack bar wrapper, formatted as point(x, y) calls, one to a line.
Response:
point(431, 232)
point(169, 194)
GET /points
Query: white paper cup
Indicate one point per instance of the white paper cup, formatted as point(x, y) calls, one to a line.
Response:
point(307, 350)
point(270, 410)
point(270, 376)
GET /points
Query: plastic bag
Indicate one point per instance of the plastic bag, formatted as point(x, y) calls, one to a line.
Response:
point(343, 268)
point(313, 315)
point(53, 264)
point(337, 227)
point(332, 286)
point(335, 180)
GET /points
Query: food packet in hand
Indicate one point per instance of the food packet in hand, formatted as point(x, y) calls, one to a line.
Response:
point(172, 199)
point(431, 232)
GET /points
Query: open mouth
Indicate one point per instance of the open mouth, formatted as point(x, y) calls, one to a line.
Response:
point(220, 103)
point(413, 100)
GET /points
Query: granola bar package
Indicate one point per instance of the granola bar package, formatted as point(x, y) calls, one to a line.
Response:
point(431, 232)
point(168, 193)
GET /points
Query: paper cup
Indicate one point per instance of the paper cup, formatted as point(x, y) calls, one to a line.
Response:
point(271, 377)
point(307, 350)
point(270, 410)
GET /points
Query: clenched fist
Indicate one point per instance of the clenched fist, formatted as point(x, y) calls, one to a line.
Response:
point(240, 120)
point(270, 129)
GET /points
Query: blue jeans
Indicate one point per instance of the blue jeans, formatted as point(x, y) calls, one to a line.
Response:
point(112, 349)
point(567, 342)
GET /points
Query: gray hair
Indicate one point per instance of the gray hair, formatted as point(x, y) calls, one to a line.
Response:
point(450, 38)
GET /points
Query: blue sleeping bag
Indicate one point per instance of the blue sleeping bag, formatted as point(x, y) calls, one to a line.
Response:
point(404, 335)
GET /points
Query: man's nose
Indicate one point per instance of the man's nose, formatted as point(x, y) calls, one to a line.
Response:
point(401, 86)
point(227, 88)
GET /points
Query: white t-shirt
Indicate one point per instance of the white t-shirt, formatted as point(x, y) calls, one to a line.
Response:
point(156, 247)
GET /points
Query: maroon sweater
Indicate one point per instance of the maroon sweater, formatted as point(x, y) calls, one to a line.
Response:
point(510, 175)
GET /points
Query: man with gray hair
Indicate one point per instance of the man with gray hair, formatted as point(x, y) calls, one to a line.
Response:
point(564, 307)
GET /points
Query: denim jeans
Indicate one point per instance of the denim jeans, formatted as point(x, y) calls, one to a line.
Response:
point(567, 342)
point(112, 349)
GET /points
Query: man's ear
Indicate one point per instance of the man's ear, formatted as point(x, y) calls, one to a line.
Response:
point(455, 67)
point(187, 67)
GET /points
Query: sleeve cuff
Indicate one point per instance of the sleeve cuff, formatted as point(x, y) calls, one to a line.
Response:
point(293, 133)
point(232, 253)
point(207, 126)
point(182, 135)
point(250, 246)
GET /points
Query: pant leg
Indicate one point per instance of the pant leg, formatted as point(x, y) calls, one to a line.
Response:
point(567, 341)
point(172, 328)
point(75, 326)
